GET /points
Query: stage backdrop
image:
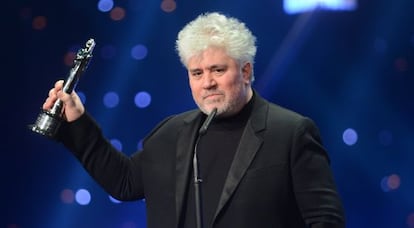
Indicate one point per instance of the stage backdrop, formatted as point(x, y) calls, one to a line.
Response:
point(351, 71)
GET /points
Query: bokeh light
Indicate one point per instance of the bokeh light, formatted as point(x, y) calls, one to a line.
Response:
point(350, 137)
point(168, 5)
point(39, 23)
point(67, 196)
point(117, 13)
point(393, 181)
point(142, 99)
point(384, 184)
point(139, 52)
point(83, 197)
point(390, 183)
point(105, 5)
point(111, 99)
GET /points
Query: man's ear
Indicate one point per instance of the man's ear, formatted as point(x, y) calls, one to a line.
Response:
point(247, 72)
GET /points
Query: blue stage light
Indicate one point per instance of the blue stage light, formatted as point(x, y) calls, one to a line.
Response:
point(111, 99)
point(83, 197)
point(350, 137)
point(300, 6)
point(142, 99)
point(105, 5)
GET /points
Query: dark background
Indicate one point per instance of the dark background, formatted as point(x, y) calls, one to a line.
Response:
point(351, 69)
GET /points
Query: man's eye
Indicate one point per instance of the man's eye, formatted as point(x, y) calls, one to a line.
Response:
point(219, 70)
point(196, 73)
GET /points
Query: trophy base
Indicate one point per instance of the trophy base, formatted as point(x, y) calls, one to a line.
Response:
point(46, 124)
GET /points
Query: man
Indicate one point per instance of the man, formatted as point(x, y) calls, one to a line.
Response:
point(260, 164)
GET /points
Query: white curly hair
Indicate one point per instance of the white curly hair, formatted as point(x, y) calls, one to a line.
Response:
point(217, 30)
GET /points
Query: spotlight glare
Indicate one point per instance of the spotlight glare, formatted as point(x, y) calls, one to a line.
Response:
point(300, 6)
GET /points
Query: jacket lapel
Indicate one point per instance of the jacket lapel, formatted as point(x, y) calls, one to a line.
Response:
point(185, 147)
point(249, 145)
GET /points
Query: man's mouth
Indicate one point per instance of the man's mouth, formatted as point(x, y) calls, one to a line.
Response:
point(213, 95)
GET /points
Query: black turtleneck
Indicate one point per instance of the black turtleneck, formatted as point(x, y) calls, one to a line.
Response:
point(215, 152)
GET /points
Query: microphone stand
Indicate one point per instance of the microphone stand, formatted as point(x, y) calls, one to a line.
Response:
point(197, 177)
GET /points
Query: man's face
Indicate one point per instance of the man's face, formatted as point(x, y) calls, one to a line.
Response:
point(217, 81)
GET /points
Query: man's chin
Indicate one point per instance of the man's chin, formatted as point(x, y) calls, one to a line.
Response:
point(207, 109)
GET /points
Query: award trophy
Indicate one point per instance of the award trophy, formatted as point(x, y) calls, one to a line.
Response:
point(48, 121)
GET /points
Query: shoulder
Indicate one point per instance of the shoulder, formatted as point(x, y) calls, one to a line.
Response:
point(275, 112)
point(175, 122)
point(283, 119)
point(282, 113)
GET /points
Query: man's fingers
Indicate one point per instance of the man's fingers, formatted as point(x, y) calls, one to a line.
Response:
point(59, 84)
point(52, 93)
point(48, 103)
point(63, 96)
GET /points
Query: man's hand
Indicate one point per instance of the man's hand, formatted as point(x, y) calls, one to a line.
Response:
point(72, 105)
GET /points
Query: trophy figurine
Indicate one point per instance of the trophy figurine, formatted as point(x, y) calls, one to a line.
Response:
point(49, 121)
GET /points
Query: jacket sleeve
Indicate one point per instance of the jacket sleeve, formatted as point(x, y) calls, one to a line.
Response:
point(313, 181)
point(118, 174)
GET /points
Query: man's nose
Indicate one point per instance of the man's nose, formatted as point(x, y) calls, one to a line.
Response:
point(209, 81)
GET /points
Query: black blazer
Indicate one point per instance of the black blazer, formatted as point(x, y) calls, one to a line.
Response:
point(280, 176)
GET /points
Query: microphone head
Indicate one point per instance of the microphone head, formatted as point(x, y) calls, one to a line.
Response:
point(213, 112)
point(207, 122)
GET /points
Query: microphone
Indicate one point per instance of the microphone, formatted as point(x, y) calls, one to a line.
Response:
point(197, 177)
point(206, 124)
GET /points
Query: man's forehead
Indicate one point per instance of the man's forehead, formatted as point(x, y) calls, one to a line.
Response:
point(209, 59)
point(209, 66)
